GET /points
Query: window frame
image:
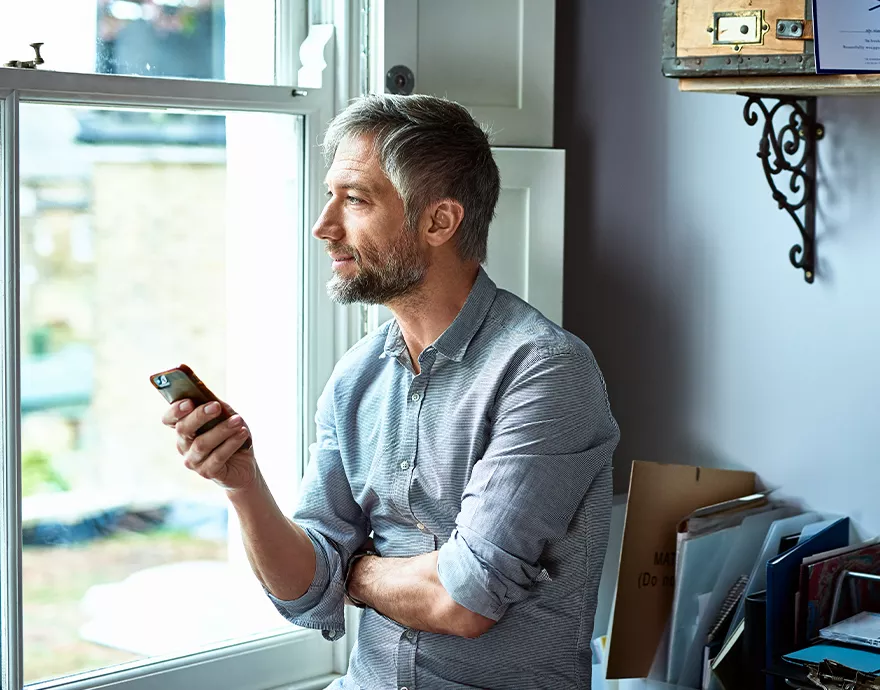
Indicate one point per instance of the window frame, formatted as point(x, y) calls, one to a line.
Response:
point(325, 332)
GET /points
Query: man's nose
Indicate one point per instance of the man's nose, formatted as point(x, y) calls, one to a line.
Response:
point(328, 225)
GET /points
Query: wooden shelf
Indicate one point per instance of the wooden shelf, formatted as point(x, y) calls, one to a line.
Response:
point(807, 85)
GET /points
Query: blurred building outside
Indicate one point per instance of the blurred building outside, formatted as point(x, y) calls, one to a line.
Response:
point(116, 207)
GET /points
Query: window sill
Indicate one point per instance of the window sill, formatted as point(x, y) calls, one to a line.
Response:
point(298, 660)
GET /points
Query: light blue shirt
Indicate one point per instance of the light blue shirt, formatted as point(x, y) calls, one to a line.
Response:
point(499, 455)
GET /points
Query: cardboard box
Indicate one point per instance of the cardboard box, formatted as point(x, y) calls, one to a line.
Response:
point(659, 497)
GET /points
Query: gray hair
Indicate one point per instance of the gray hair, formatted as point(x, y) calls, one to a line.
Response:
point(430, 149)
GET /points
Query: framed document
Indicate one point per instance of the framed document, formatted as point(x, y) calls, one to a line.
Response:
point(847, 36)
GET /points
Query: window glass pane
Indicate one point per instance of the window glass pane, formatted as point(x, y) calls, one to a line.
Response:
point(230, 40)
point(148, 240)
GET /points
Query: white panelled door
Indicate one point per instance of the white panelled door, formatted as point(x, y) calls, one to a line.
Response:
point(494, 56)
point(526, 237)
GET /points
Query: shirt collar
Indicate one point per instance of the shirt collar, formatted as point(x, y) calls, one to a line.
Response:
point(454, 341)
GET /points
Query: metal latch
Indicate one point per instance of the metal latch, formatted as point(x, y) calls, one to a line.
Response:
point(28, 64)
point(794, 29)
point(746, 27)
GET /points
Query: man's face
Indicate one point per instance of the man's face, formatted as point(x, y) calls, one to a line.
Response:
point(376, 257)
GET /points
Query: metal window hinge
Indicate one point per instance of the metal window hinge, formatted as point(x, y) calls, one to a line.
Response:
point(28, 64)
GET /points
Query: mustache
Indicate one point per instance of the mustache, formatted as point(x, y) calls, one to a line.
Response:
point(344, 249)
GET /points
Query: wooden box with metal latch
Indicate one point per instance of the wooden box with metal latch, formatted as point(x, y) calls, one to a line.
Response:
point(713, 38)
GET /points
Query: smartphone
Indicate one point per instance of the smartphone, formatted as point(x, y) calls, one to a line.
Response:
point(177, 384)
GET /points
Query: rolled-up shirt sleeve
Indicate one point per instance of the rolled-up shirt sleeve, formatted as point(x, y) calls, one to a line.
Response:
point(336, 525)
point(551, 434)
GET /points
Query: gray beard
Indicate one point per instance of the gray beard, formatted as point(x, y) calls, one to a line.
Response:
point(369, 287)
point(402, 273)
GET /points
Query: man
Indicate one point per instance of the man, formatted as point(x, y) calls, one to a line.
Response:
point(470, 436)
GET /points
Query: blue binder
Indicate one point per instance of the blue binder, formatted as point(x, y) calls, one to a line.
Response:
point(783, 574)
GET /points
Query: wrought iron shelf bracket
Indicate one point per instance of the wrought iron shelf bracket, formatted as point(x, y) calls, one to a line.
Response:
point(788, 154)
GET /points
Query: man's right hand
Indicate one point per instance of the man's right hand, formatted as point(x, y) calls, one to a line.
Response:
point(215, 454)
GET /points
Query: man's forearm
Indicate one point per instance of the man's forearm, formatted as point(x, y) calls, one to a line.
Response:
point(280, 552)
point(409, 591)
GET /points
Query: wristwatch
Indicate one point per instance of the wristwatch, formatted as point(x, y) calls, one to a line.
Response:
point(351, 562)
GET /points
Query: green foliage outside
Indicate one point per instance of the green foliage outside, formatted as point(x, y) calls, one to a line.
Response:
point(38, 475)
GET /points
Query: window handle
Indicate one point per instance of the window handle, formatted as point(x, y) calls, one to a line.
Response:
point(29, 64)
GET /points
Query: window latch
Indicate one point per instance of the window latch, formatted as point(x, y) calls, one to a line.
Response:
point(28, 64)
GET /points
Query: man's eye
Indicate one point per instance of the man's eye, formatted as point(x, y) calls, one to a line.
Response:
point(353, 200)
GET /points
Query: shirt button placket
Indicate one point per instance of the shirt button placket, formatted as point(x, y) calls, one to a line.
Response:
point(406, 460)
point(416, 396)
point(406, 660)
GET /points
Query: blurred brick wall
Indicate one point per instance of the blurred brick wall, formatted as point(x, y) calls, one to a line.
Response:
point(159, 300)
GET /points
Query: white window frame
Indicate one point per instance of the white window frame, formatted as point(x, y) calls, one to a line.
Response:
point(295, 660)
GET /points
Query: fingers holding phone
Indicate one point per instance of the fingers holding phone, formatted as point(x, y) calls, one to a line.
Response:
point(212, 438)
point(217, 454)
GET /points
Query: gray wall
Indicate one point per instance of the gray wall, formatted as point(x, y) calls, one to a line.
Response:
point(715, 350)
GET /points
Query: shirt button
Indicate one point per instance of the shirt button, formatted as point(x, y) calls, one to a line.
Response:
point(415, 397)
point(420, 526)
point(411, 635)
point(404, 465)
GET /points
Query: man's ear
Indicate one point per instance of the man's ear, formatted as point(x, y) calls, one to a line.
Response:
point(442, 220)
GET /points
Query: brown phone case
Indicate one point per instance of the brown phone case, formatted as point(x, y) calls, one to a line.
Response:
point(177, 384)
